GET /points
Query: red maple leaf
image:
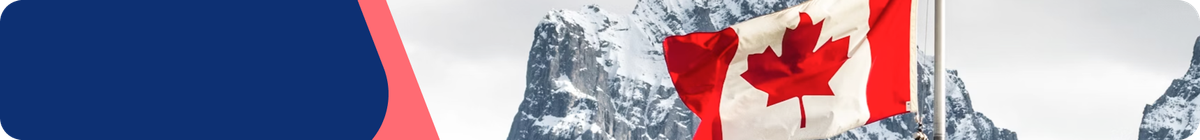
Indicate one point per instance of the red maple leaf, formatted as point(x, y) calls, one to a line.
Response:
point(798, 70)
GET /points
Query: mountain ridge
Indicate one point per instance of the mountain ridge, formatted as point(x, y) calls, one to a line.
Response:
point(1174, 115)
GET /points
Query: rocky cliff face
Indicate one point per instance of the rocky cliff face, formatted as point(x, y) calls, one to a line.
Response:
point(597, 75)
point(1173, 116)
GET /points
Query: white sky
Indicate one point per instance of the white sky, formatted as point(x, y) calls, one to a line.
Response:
point(1047, 69)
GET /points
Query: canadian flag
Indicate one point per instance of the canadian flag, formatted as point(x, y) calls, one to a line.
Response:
point(811, 71)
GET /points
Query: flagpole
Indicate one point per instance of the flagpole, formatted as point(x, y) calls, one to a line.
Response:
point(939, 73)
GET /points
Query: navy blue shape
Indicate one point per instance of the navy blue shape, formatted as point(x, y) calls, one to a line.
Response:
point(164, 70)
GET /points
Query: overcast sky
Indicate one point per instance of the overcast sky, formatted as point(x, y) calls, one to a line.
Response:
point(1047, 69)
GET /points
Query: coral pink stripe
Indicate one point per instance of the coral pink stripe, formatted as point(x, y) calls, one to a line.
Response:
point(407, 117)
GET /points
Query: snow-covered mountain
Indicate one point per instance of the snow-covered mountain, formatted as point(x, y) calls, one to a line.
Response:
point(1173, 116)
point(597, 75)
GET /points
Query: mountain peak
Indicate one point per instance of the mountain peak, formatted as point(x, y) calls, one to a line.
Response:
point(1175, 115)
point(1196, 53)
point(1194, 69)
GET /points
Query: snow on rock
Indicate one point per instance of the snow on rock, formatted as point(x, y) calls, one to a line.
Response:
point(1173, 116)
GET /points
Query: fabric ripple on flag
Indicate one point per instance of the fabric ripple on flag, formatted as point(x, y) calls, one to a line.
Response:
point(811, 71)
